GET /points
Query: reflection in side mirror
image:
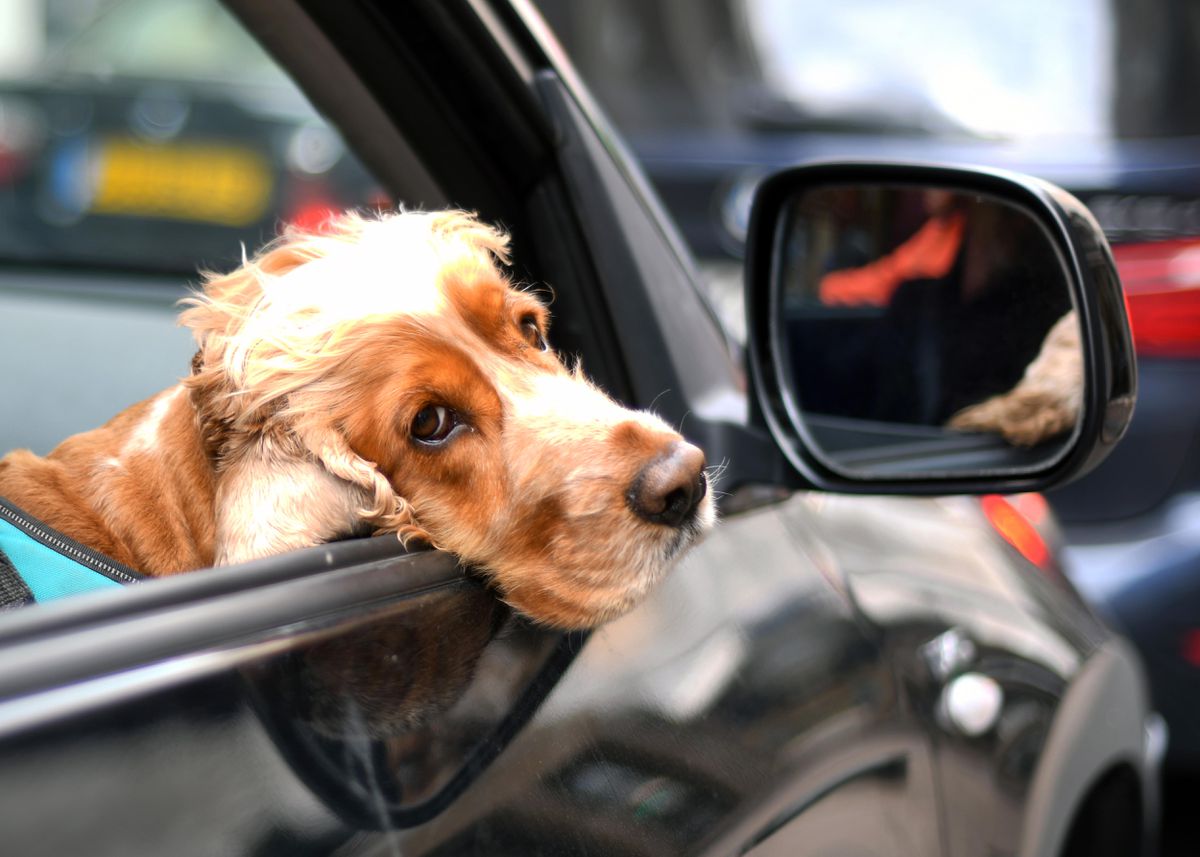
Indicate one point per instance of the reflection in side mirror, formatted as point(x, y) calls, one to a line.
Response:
point(926, 329)
point(913, 318)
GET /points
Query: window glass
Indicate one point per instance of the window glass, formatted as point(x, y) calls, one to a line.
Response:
point(390, 720)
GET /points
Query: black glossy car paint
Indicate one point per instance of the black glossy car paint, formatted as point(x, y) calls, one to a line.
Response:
point(757, 716)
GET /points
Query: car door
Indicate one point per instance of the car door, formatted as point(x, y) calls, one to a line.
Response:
point(360, 698)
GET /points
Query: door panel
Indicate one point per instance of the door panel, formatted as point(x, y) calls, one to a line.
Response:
point(743, 704)
point(881, 791)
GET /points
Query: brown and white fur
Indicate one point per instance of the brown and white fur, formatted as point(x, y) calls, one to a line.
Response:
point(1047, 399)
point(382, 376)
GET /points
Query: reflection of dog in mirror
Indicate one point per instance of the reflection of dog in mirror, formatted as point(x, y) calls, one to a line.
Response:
point(383, 376)
point(1047, 399)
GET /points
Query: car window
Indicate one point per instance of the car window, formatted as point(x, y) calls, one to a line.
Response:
point(391, 720)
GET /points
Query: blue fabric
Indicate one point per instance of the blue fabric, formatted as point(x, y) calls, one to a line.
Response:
point(48, 573)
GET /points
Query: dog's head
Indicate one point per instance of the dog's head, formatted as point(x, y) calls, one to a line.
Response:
point(395, 353)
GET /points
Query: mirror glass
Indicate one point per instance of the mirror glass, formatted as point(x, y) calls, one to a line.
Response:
point(924, 331)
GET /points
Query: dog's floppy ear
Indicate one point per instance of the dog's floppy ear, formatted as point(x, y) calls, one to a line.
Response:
point(387, 511)
point(210, 400)
point(228, 386)
point(216, 316)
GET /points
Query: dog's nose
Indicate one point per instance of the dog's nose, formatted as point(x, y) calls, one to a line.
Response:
point(669, 488)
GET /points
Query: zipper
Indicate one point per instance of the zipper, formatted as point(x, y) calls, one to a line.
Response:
point(68, 547)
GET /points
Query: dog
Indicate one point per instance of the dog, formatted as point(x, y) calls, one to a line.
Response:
point(383, 375)
point(1046, 401)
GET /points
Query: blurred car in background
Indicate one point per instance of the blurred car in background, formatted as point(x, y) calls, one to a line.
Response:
point(163, 117)
point(1097, 97)
point(140, 141)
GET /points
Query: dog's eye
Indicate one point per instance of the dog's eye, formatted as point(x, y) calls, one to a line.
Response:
point(433, 424)
point(533, 333)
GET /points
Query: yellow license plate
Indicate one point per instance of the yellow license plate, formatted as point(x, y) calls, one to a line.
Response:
point(208, 182)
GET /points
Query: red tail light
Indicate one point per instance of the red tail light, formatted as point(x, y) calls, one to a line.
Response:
point(1016, 529)
point(11, 164)
point(1162, 293)
point(1191, 648)
point(312, 216)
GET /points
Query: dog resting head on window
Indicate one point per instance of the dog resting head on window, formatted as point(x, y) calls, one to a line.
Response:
point(383, 376)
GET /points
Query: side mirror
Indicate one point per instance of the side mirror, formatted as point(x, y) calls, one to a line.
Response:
point(918, 329)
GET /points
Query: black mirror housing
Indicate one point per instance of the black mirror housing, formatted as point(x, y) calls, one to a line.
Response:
point(893, 310)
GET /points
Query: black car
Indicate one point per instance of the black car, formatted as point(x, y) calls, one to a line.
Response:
point(832, 671)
